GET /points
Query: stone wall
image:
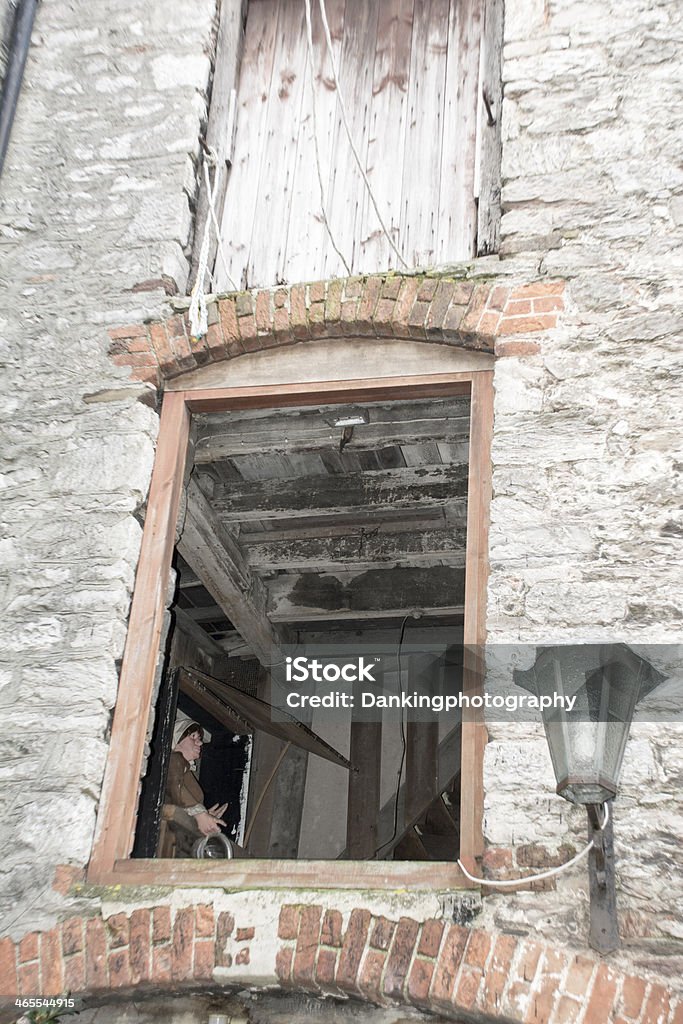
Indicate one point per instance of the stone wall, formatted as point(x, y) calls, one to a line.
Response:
point(95, 226)
point(94, 232)
point(586, 525)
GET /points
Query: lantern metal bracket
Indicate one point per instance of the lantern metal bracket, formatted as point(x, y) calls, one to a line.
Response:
point(604, 929)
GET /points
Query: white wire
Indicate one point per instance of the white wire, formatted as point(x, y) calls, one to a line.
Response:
point(311, 64)
point(510, 882)
point(198, 313)
point(342, 107)
point(212, 210)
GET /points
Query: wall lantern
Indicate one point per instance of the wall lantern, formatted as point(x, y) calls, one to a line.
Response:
point(587, 748)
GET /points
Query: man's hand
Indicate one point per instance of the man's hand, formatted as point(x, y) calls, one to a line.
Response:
point(209, 822)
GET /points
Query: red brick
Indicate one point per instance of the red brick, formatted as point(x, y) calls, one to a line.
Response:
point(541, 1002)
point(402, 949)
point(448, 963)
point(316, 292)
point(139, 949)
point(353, 288)
point(468, 987)
point(51, 963)
point(427, 289)
point(497, 862)
point(548, 305)
point(161, 965)
point(244, 304)
point(183, 941)
point(297, 311)
point(242, 958)
point(214, 343)
point(497, 973)
point(119, 969)
point(165, 354)
point(554, 961)
point(331, 931)
point(453, 319)
point(384, 312)
point(136, 345)
point(391, 286)
point(677, 1017)
point(349, 313)
point(281, 328)
point(352, 949)
point(117, 926)
point(567, 1011)
point(657, 1006)
point(28, 948)
point(417, 318)
point(517, 307)
point(288, 927)
point(531, 954)
point(517, 348)
point(74, 973)
point(430, 939)
point(325, 967)
point(382, 933)
point(263, 315)
point(72, 935)
point(29, 979)
point(96, 955)
point(538, 290)
point(463, 292)
point(438, 308)
point(478, 949)
point(370, 980)
point(475, 309)
point(489, 323)
point(602, 997)
point(204, 921)
point(316, 320)
point(281, 298)
point(366, 307)
point(227, 312)
point(283, 964)
point(419, 980)
point(161, 929)
point(204, 953)
point(404, 304)
point(632, 995)
point(307, 946)
point(248, 333)
point(244, 934)
point(498, 298)
point(527, 324)
point(333, 302)
point(132, 331)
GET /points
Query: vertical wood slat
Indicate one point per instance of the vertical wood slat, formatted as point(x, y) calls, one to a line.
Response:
point(457, 207)
point(242, 194)
point(422, 768)
point(388, 112)
point(346, 188)
point(474, 734)
point(229, 45)
point(424, 136)
point(490, 139)
point(307, 237)
point(113, 838)
point(363, 807)
point(288, 82)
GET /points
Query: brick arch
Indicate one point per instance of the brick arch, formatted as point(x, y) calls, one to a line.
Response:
point(457, 972)
point(481, 314)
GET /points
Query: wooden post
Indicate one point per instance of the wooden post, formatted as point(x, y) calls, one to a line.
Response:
point(362, 818)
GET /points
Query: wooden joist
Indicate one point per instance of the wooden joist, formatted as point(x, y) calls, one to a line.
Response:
point(375, 594)
point(222, 435)
point(426, 487)
point(358, 551)
point(219, 562)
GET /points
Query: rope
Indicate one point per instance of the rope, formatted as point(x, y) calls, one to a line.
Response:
point(197, 312)
point(342, 107)
point(510, 882)
point(311, 64)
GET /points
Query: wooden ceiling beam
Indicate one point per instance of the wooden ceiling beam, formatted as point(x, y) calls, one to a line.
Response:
point(365, 548)
point(426, 487)
point(215, 556)
point(374, 594)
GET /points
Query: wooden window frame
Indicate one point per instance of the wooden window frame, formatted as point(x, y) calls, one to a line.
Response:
point(110, 862)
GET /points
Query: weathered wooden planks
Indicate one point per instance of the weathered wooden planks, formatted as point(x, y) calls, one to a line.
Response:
point(409, 74)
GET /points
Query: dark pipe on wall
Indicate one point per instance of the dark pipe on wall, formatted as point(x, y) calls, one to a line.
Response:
point(16, 62)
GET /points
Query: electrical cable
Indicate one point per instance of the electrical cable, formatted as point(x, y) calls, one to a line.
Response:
point(399, 774)
point(511, 882)
point(345, 121)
